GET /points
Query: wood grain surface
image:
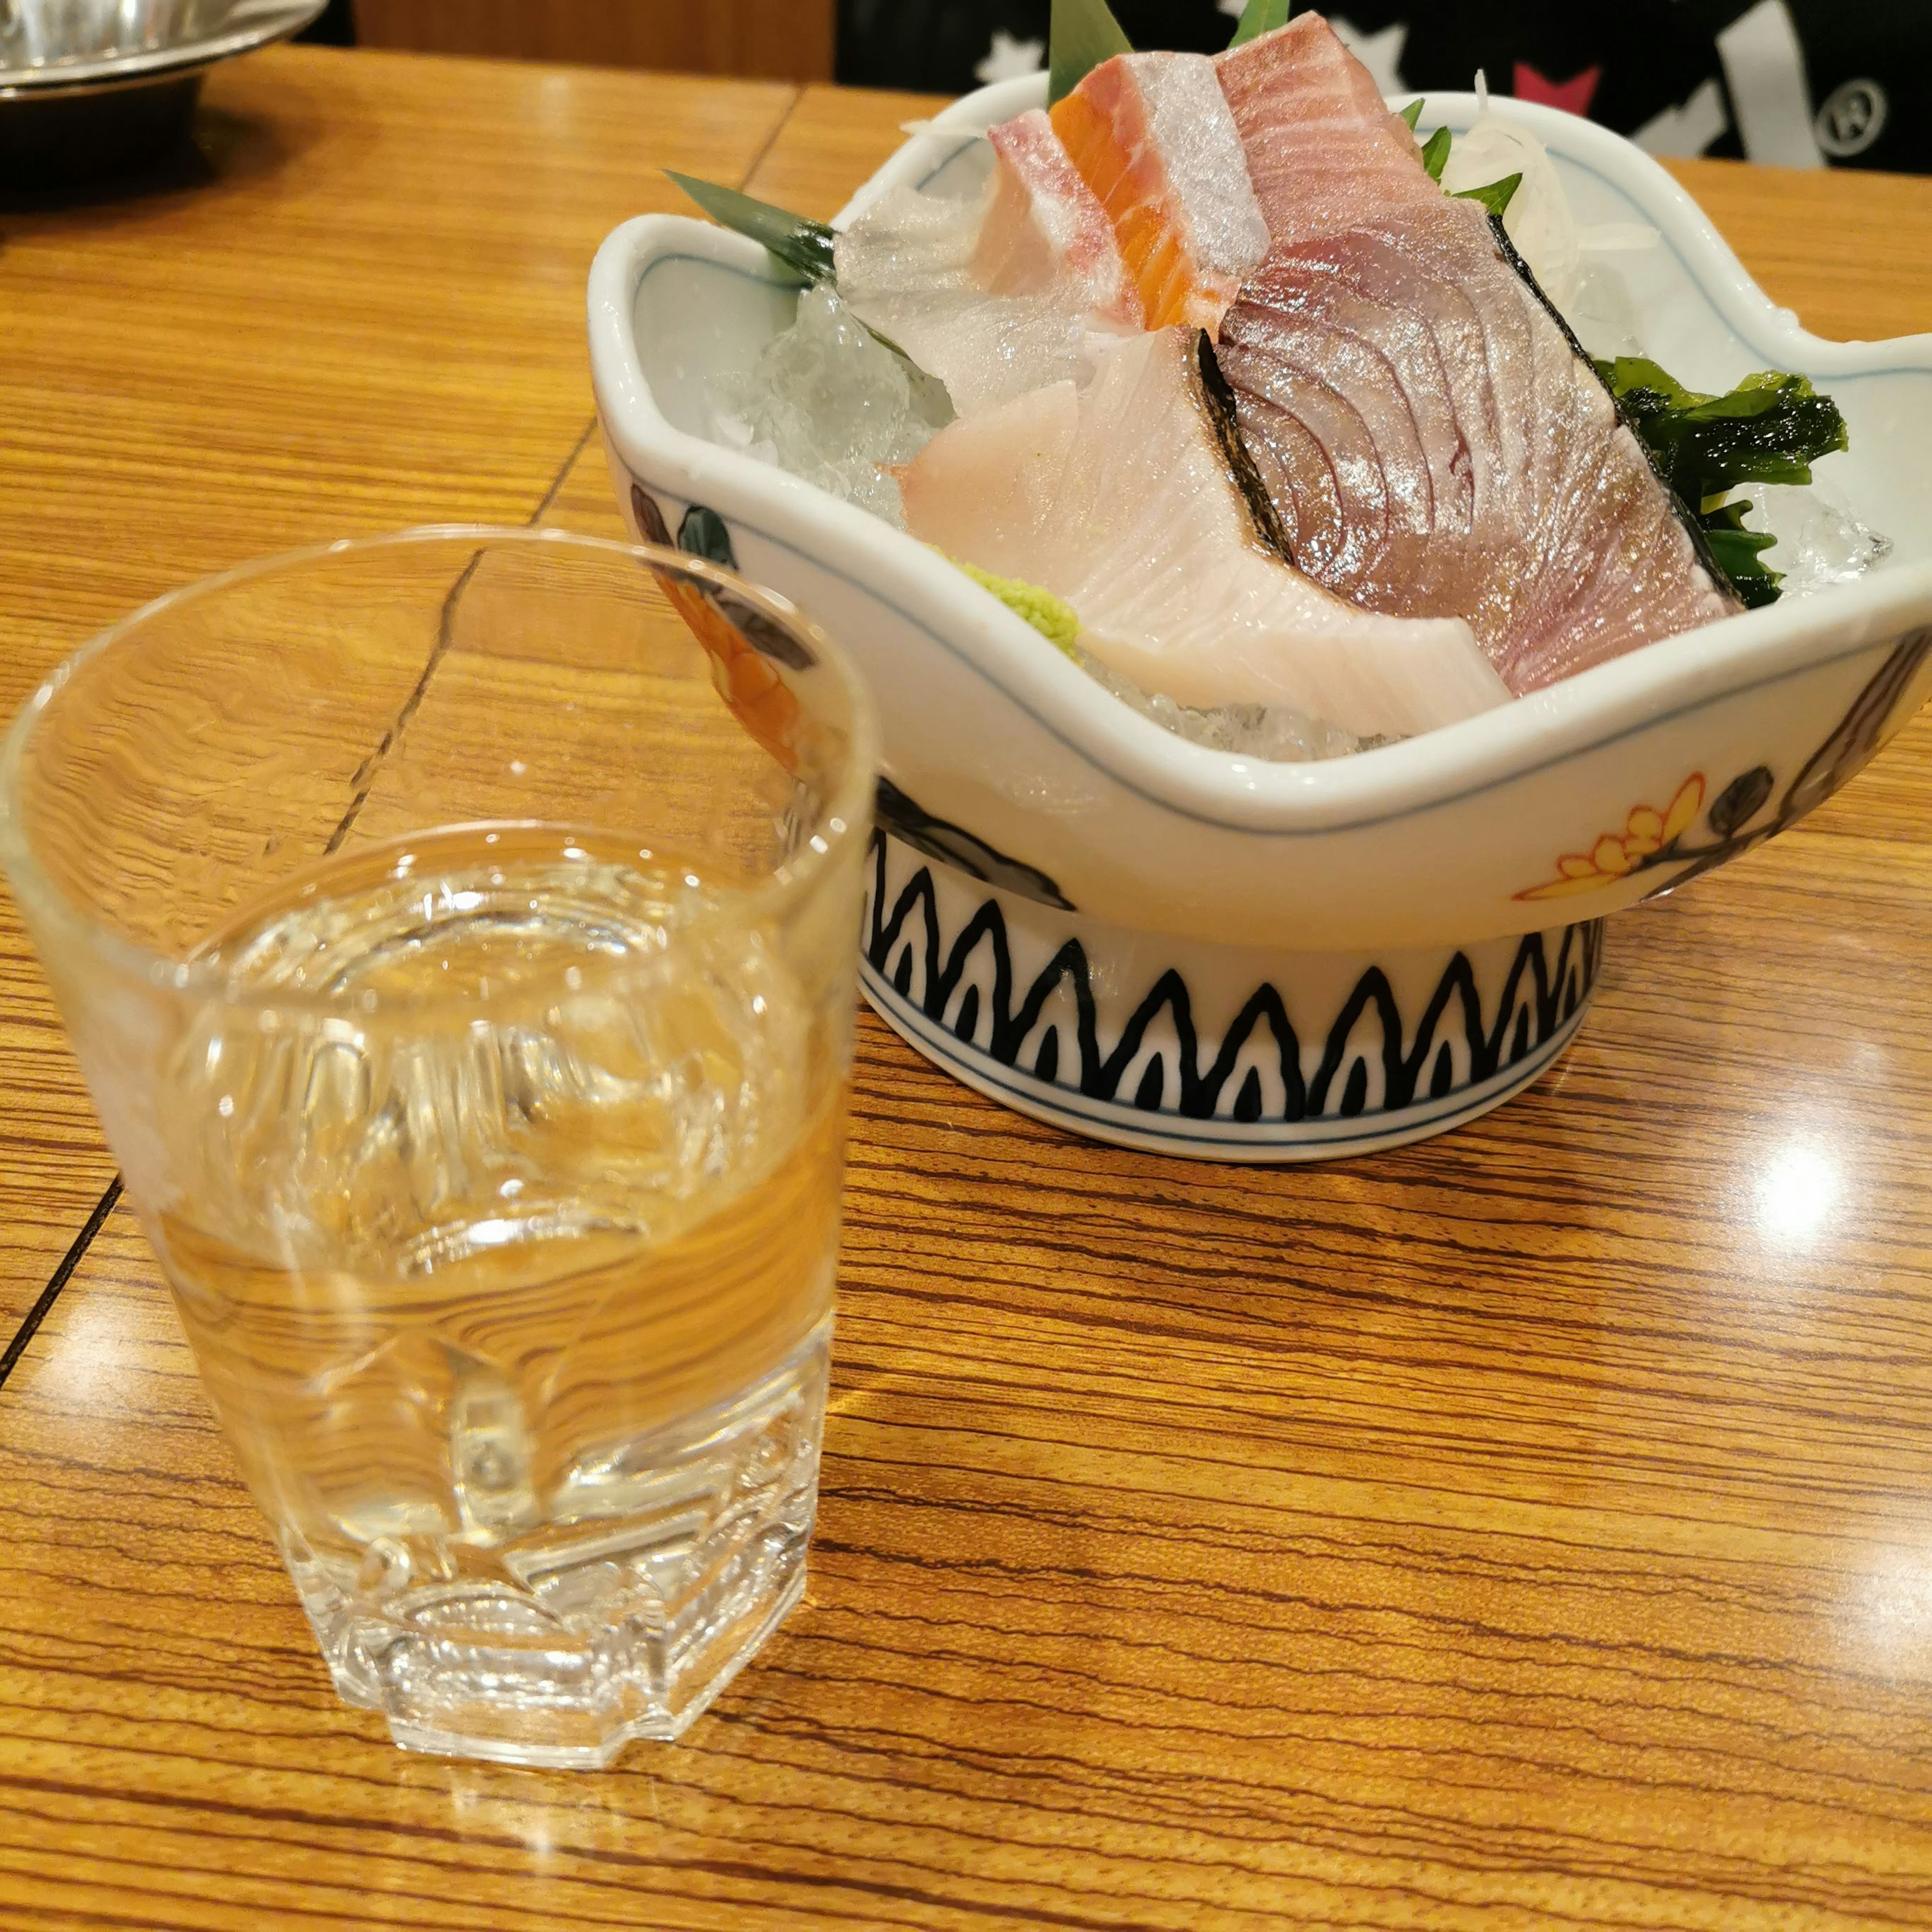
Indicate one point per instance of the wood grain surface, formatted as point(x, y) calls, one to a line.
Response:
point(359, 305)
point(784, 40)
point(1530, 1528)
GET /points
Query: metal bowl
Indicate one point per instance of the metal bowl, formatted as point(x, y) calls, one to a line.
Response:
point(94, 87)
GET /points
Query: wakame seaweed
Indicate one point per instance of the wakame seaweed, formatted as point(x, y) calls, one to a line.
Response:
point(1738, 550)
point(1770, 429)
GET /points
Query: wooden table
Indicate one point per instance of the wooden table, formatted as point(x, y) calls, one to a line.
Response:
point(1531, 1529)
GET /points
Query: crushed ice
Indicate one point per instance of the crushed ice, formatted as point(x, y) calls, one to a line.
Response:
point(827, 400)
point(1819, 541)
point(1276, 732)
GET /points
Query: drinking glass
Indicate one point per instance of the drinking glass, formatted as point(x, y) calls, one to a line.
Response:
point(457, 933)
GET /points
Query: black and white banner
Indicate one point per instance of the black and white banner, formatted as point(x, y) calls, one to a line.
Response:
point(1797, 83)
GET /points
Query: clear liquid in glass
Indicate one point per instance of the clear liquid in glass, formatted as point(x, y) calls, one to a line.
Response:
point(515, 1291)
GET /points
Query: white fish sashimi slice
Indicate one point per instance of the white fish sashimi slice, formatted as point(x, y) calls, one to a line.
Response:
point(997, 296)
point(1128, 500)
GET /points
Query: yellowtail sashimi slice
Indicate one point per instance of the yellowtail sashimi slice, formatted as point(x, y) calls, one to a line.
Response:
point(1433, 438)
point(998, 295)
point(1133, 500)
point(1324, 153)
point(1153, 136)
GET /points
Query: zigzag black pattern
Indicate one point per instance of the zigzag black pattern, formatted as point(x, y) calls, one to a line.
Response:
point(1537, 998)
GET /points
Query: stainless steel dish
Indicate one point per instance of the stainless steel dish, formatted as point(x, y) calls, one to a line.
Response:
point(92, 88)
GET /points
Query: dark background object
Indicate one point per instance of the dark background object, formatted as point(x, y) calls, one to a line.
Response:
point(1865, 66)
point(110, 99)
point(337, 27)
point(92, 134)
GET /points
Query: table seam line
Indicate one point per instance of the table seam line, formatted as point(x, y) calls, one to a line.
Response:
point(43, 1305)
point(771, 140)
point(563, 476)
point(77, 1249)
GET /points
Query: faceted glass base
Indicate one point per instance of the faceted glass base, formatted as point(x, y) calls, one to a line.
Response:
point(622, 1617)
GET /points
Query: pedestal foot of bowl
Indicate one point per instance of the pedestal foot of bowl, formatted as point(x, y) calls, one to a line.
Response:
point(1217, 1052)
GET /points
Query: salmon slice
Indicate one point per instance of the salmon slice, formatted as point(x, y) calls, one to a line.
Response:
point(1433, 440)
point(1153, 136)
point(1000, 294)
point(1133, 500)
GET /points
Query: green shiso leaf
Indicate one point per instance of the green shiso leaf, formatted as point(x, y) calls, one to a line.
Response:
point(1412, 113)
point(1259, 17)
point(1496, 197)
point(1082, 34)
point(797, 242)
point(1770, 429)
point(1436, 153)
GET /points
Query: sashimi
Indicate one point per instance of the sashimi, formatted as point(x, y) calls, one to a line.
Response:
point(1133, 500)
point(1433, 440)
point(996, 295)
point(1323, 152)
point(1046, 230)
point(1153, 136)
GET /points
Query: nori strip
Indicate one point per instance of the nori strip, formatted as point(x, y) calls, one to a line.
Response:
point(1219, 396)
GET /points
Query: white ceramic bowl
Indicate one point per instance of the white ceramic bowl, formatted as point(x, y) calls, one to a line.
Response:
point(1110, 927)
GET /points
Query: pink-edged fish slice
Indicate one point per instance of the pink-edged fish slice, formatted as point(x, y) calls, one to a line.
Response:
point(1324, 153)
point(998, 294)
point(1045, 232)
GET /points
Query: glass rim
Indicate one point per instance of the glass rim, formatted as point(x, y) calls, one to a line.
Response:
point(847, 811)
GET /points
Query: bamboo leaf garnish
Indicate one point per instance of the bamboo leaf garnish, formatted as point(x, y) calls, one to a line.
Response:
point(1496, 196)
point(1412, 113)
point(1082, 34)
point(1436, 153)
point(795, 240)
point(1259, 17)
